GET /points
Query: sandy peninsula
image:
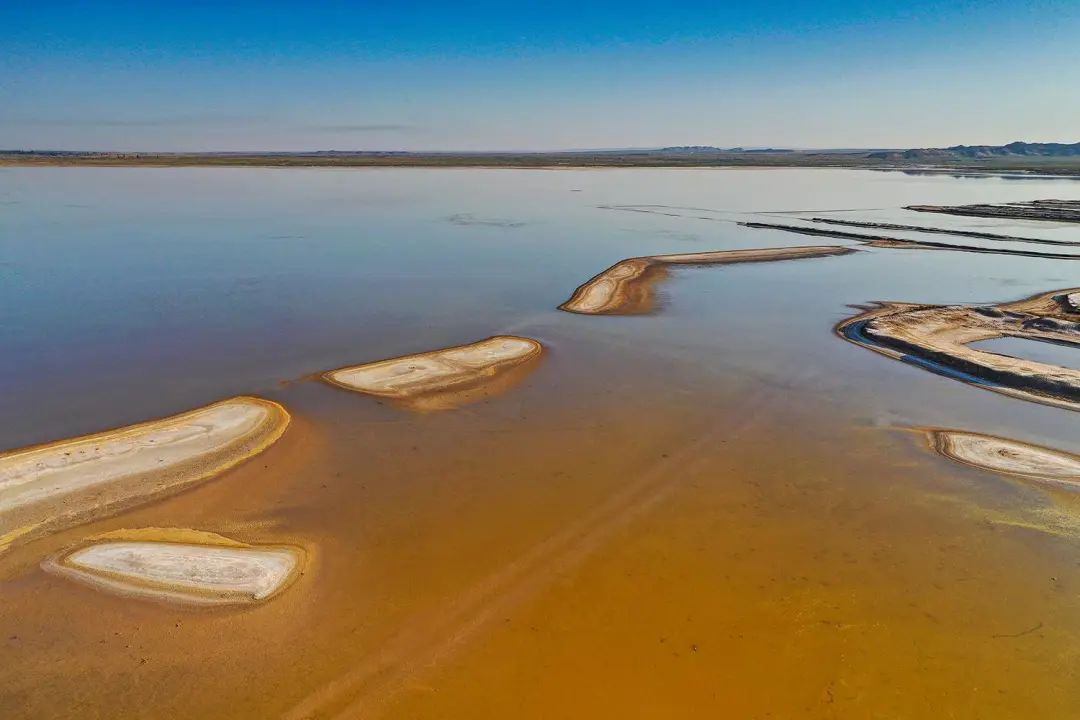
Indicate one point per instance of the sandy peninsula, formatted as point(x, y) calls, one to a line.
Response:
point(63, 483)
point(938, 338)
point(183, 566)
point(628, 286)
point(1010, 457)
point(446, 378)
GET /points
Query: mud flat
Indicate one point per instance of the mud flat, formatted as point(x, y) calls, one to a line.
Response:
point(1052, 210)
point(183, 566)
point(446, 378)
point(1009, 457)
point(628, 287)
point(899, 244)
point(937, 338)
point(63, 483)
point(940, 231)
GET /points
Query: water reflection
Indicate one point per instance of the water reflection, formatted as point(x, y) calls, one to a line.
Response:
point(669, 513)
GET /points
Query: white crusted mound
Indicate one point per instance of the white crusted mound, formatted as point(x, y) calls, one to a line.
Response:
point(205, 574)
point(66, 481)
point(438, 372)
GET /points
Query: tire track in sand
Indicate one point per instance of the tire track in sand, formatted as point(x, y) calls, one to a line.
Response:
point(434, 636)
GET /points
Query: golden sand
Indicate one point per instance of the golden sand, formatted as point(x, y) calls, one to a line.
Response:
point(628, 286)
point(179, 565)
point(442, 379)
point(63, 483)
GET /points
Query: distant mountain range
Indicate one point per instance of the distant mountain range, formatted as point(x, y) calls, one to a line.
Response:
point(960, 152)
point(1016, 158)
point(711, 150)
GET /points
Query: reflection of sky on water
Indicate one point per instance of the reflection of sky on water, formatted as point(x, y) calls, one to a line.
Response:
point(132, 293)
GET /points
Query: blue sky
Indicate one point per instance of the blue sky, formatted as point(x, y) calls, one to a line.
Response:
point(486, 75)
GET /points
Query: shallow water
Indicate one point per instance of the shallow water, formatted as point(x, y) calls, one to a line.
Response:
point(669, 514)
point(1039, 351)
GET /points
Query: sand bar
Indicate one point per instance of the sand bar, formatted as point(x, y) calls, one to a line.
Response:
point(628, 286)
point(441, 378)
point(1010, 457)
point(59, 484)
point(938, 338)
point(180, 566)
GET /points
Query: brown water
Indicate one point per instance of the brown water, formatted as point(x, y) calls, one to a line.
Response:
point(717, 510)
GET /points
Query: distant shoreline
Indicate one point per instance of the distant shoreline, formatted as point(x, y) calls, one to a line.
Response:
point(1022, 165)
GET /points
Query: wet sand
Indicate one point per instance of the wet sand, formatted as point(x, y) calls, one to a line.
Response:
point(72, 481)
point(628, 287)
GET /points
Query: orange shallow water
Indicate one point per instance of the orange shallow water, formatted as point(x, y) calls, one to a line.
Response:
point(740, 551)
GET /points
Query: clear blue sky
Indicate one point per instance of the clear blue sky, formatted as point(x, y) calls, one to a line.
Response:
point(513, 75)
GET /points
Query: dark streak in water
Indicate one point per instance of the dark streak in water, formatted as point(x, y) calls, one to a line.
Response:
point(887, 242)
point(1052, 210)
point(943, 231)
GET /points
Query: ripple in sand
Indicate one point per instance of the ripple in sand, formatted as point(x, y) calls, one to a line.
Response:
point(938, 338)
point(1010, 457)
point(446, 378)
point(63, 483)
point(628, 286)
point(184, 566)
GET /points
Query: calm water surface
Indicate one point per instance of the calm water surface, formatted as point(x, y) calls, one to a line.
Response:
point(720, 509)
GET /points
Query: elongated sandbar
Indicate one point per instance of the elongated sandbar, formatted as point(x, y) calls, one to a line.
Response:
point(441, 378)
point(1010, 457)
point(628, 286)
point(63, 483)
point(180, 566)
point(939, 337)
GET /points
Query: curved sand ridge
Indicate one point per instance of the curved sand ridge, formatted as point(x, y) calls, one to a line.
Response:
point(180, 566)
point(70, 481)
point(444, 378)
point(1010, 457)
point(628, 286)
point(937, 338)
